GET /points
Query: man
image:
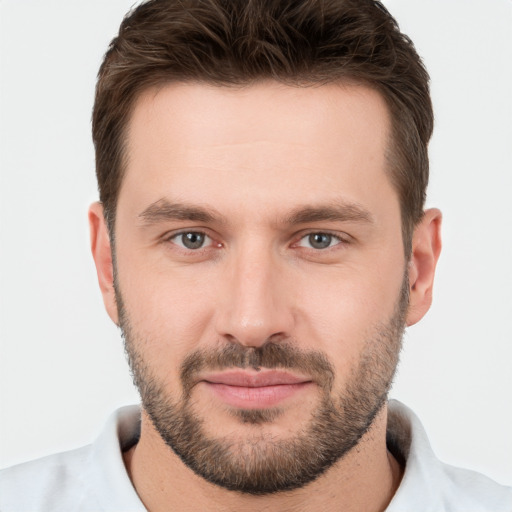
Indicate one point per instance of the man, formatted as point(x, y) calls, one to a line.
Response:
point(261, 242)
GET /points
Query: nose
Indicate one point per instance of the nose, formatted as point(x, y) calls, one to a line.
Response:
point(257, 301)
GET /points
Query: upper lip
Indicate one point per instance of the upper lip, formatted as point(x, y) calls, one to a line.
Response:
point(244, 378)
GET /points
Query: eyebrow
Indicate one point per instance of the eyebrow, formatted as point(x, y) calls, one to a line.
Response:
point(163, 210)
point(338, 212)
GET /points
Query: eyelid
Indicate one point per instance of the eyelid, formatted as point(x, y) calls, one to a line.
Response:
point(342, 237)
point(172, 235)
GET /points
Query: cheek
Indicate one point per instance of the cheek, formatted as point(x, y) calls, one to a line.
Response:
point(342, 311)
point(169, 312)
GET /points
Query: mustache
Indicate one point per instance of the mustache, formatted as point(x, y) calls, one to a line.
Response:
point(270, 355)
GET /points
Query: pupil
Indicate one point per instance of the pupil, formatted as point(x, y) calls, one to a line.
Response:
point(193, 240)
point(320, 240)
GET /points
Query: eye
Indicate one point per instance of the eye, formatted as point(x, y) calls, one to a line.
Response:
point(319, 241)
point(192, 240)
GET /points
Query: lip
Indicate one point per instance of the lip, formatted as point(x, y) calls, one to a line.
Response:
point(255, 379)
point(255, 390)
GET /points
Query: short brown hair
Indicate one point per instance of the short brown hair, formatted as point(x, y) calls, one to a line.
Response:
point(237, 42)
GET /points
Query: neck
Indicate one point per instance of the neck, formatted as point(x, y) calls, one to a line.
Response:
point(365, 479)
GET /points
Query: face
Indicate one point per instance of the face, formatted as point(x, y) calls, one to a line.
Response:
point(260, 275)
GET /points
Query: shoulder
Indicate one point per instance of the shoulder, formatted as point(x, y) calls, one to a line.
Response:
point(431, 485)
point(473, 491)
point(91, 478)
point(56, 482)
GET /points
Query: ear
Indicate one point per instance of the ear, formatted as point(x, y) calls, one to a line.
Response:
point(426, 247)
point(102, 254)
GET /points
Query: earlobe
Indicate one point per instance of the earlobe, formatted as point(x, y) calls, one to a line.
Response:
point(426, 248)
point(102, 254)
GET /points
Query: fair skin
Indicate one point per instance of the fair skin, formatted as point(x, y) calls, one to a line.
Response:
point(259, 160)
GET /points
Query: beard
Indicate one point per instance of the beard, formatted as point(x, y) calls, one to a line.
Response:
point(260, 464)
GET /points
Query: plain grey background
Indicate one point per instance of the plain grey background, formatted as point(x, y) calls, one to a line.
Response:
point(62, 368)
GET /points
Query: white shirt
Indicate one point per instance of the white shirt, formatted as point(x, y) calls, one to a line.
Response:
point(94, 478)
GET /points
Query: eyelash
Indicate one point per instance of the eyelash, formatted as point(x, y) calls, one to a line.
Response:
point(175, 236)
point(341, 240)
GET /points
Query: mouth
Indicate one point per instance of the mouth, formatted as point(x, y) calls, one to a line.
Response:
point(255, 390)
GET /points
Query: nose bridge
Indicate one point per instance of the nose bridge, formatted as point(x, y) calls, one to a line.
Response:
point(256, 306)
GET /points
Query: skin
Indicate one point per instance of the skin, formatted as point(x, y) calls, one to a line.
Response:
point(253, 157)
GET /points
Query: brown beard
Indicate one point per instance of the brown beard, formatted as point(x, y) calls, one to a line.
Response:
point(259, 464)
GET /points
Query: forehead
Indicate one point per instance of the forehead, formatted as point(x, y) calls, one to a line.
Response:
point(270, 139)
point(223, 114)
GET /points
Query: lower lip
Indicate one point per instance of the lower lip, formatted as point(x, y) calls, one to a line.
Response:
point(256, 397)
